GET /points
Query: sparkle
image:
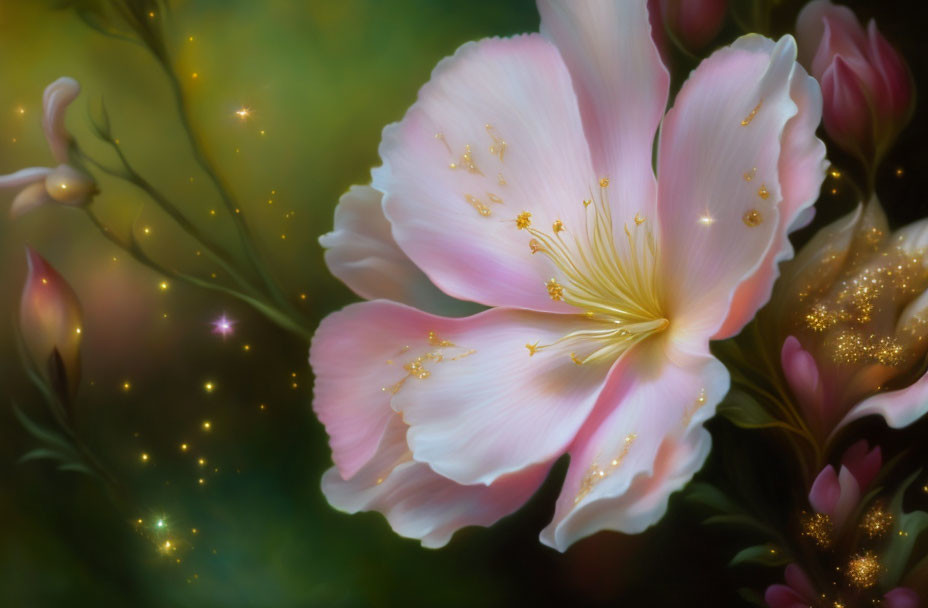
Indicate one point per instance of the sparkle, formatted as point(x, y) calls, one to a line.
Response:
point(126, 386)
point(207, 426)
point(752, 218)
point(224, 326)
point(144, 457)
point(163, 285)
point(863, 570)
point(243, 113)
point(877, 521)
point(819, 528)
point(184, 447)
point(763, 192)
point(209, 387)
point(706, 219)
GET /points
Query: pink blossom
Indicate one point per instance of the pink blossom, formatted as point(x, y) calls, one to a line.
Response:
point(837, 494)
point(522, 180)
point(63, 184)
point(867, 89)
point(798, 591)
point(853, 306)
point(50, 319)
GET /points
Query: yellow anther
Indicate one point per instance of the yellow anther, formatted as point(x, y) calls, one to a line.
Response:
point(555, 290)
point(523, 220)
point(557, 226)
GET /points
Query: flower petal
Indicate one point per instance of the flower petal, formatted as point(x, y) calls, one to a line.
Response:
point(478, 405)
point(32, 196)
point(56, 99)
point(361, 252)
point(621, 85)
point(24, 177)
point(899, 408)
point(801, 171)
point(419, 503)
point(825, 491)
point(503, 113)
point(643, 442)
point(720, 190)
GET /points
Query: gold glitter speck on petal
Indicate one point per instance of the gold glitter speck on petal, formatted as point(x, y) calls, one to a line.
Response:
point(752, 218)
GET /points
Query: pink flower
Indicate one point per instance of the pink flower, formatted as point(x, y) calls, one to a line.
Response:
point(50, 320)
point(837, 494)
point(854, 308)
point(866, 85)
point(63, 184)
point(695, 23)
point(798, 591)
point(522, 180)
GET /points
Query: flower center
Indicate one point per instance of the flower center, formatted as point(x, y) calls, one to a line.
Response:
point(612, 280)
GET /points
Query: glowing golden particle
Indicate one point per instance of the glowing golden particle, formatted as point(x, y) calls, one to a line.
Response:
point(596, 473)
point(151, 14)
point(749, 175)
point(835, 173)
point(139, 521)
point(576, 359)
point(243, 112)
point(163, 285)
point(706, 220)
point(144, 457)
point(246, 347)
point(877, 521)
point(194, 531)
point(557, 226)
point(535, 246)
point(747, 119)
point(834, 191)
point(763, 192)
point(201, 481)
point(303, 296)
point(555, 290)
point(201, 462)
point(638, 219)
point(21, 110)
point(604, 182)
point(379, 481)
point(752, 218)
point(532, 348)
point(262, 407)
point(146, 230)
point(208, 387)
point(189, 38)
point(863, 571)
point(127, 386)
point(523, 220)
point(184, 447)
point(889, 352)
point(77, 330)
point(819, 318)
point(899, 172)
point(819, 528)
point(207, 425)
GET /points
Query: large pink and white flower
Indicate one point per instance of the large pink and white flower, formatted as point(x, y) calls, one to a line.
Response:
point(522, 180)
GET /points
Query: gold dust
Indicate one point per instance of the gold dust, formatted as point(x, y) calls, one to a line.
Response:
point(864, 570)
point(478, 205)
point(498, 148)
point(555, 290)
point(416, 367)
point(523, 220)
point(752, 218)
point(877, 521)
point(597, 473)
point(500, 179)
point(747, 119)
point(604, 182)
point(638, 219)
point(763, 192)
point(819, 528)
point(749, 175)
point(494, 199)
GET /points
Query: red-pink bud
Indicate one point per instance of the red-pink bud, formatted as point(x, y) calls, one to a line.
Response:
point(50, 321)
point(866, 85)
point(695, 23)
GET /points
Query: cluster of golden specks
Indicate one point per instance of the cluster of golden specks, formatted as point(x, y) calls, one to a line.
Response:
point(877, 521)
point(697, 405)
point(819, 528)
point(747, 119)
point(597, 473)
point(864, 570)
point(468, 163)
point(613, 282)
point(850, 347)
point(416, 367)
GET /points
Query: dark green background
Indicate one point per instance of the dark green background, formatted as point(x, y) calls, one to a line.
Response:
point(322, 79)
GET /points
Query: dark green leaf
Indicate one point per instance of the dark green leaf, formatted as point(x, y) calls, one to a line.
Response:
point(45, 435)
point(906, 531)
point(743, 410)
point(765, 555)
point(710, 496)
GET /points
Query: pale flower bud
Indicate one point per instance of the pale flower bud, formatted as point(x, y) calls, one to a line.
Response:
point(50, 322)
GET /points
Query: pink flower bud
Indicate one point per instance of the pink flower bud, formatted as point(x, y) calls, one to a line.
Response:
point(798, 592)
point(69, 186)
point(802, 375)
point(866, 86)
point(901, 597)
point(695, 23)
point(50, 321)
point(837, 494)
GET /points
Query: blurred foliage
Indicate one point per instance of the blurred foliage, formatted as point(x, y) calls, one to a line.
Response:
point(321, 79)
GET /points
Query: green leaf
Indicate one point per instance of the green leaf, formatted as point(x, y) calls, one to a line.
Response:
point(710, 496)
point(41, 454)
point(906, 531)
point(46, 436)
point(78, 467)
point(751, 596)
point(743, 410)
point(740, 520)
point(765, 555)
